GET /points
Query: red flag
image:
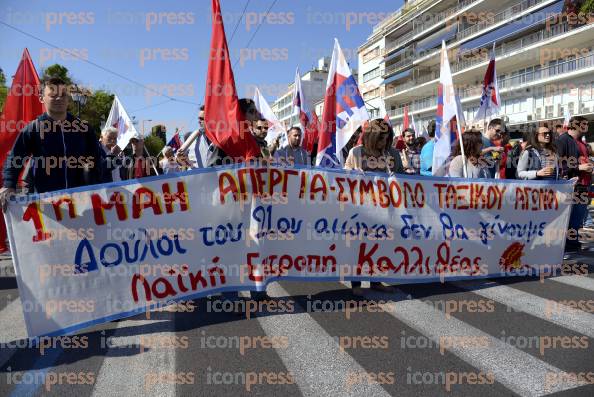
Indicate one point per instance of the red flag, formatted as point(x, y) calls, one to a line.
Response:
point(363, 128)
point(22, 106)
point(405, 121)
point(311, 133)
point(224, 121)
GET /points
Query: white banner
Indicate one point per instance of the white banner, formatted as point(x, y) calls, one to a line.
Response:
point(95, 254)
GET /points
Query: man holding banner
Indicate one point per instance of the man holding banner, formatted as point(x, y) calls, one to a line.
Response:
point(64, 152)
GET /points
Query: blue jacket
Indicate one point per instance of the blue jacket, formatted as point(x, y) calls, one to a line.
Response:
point(427, 158)
point(59, 159)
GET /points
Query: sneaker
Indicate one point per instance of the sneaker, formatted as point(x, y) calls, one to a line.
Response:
point(383, 288)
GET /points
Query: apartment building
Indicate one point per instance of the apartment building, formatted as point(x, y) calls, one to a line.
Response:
point(313, 84)
point(545, 59)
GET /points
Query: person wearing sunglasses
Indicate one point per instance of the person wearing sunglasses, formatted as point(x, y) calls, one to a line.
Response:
point(539, 159)
point(491, 153)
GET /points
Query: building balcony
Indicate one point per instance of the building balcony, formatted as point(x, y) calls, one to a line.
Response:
point(536, 77)
point(402, 64)
point(503, 51)
point(508, 13)
point(420, 26)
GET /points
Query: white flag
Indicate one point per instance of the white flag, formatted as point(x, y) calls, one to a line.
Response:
point(118, 118)
point(275, 128)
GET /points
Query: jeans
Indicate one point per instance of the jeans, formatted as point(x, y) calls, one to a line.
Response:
point(576, 221)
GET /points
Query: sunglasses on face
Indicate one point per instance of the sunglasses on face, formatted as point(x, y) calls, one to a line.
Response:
point(201, 118)
point(545, 133)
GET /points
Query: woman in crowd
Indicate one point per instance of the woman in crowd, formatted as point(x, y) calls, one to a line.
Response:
point(375, 155)
point(475, 165)
point(539, 159)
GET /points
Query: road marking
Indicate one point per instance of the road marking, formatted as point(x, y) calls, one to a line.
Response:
point(575, 281)
point(513, 368)
point(128, 375)
point(313, 356)
point(546, 309)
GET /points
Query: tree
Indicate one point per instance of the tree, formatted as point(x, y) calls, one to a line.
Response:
point(3, 89)
point(96, 109)
point(57, 70)
point(160, 131)
point(587, 7)
point(153, 145)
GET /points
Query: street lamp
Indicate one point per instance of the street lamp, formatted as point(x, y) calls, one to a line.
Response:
point(79, 97)
point(149, 120)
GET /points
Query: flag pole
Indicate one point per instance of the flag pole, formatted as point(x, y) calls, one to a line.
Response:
point(459, 130)
point(150, 159)
point(462, 148)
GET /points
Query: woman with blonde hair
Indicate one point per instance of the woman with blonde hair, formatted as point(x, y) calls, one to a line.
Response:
point(376, 153)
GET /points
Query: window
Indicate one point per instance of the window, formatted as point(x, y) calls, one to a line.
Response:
point(371, 94)
point(552, 70)
point(517, 105)
point(586, 93)
point(372, 74)
point(368, 56)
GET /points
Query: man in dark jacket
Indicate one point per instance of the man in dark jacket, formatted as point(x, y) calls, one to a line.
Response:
point(574, 163)
point(64, 151)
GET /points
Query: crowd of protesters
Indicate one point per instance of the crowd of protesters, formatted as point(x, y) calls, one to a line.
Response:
point(541, 154)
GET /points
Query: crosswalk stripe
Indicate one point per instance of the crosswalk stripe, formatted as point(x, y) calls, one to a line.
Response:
point(575, 280)
point(132, 374)
point(513, 368)
point(546, 309)
point(313, 356)
point(12, 329)
point(6, 269)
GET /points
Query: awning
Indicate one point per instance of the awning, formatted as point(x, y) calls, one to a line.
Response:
point(447, 33)
point(398, 76)
point(515, 27)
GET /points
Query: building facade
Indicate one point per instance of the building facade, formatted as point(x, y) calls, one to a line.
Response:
point(544, 52)
point(313, 84)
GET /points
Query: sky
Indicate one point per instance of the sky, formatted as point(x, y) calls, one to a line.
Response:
point(164, 45)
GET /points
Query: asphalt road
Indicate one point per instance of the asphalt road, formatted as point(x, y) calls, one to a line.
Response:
point(477, 338)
